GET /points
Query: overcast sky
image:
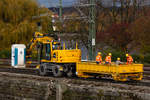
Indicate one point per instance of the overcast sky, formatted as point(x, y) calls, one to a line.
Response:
point(54, 3)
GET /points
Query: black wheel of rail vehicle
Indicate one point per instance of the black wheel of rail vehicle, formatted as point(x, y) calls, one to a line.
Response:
point(56, 71)
point(70, 72)
point(66, 68)
point(43, 70)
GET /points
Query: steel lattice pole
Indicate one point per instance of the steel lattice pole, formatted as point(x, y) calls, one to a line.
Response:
point(92, 30)
point(60, 10)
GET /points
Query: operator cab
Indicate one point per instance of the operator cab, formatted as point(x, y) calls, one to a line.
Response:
point(56, 45)
point(47, 48)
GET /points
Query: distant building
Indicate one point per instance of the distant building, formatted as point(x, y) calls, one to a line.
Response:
point(109, 3)
point(146, 2)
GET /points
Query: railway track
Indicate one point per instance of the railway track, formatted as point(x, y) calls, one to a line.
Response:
point(5, 63)
point(5, 67)
point(31, 71)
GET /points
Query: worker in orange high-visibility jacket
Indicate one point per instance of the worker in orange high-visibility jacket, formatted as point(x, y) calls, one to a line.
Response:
point(129, 59)
point(108, 59)
point(99, 58)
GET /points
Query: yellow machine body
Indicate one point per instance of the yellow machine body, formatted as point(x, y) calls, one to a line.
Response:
point(57, 55)
point(65, 56)
point(117, 72)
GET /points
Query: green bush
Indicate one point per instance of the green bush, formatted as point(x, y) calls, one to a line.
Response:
point(118, 54)
point(5, 54)
point(138, 58)
point(115, 55)
point(141, 58)
point(147, 59)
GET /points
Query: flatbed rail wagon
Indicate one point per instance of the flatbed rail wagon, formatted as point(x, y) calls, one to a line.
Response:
point(117, 72)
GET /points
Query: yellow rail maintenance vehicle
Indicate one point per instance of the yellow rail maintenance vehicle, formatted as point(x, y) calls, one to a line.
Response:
point(59, 61)
point(52, 57)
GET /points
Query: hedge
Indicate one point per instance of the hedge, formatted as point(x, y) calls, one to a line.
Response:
point(6, 54)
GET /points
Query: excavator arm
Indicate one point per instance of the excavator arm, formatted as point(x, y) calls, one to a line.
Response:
point(37, 38)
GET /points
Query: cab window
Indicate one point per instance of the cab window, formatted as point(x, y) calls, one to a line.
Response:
point(56, 46)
